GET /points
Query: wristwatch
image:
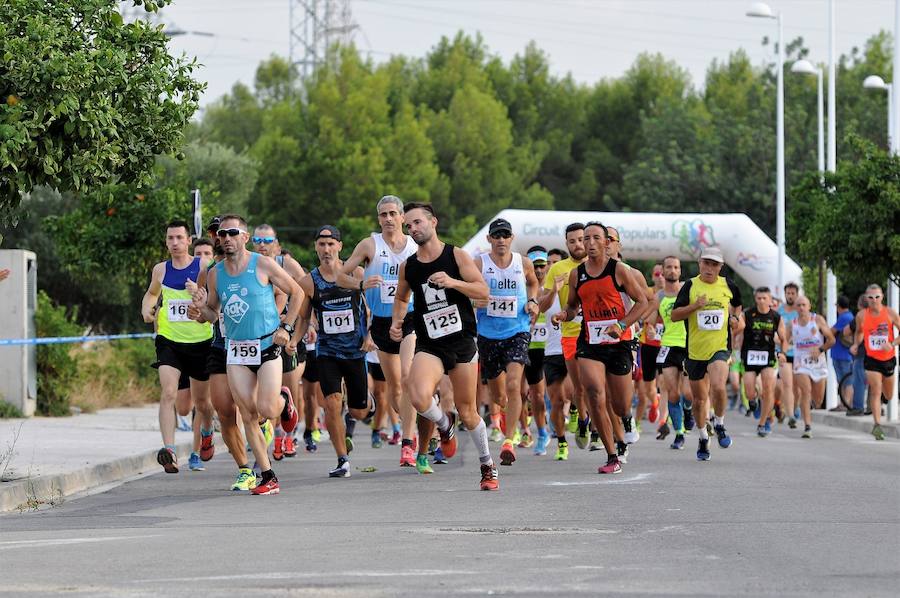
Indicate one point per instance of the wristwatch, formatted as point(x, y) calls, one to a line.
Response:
point(533, 300)
point(287, 328)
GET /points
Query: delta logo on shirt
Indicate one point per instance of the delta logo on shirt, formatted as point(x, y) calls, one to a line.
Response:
point(235, 309)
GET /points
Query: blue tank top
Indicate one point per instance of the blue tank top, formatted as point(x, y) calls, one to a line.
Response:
point(386, 264)
point(342, 322)
point(788, 318)
point(505, 315)
point(248, 307)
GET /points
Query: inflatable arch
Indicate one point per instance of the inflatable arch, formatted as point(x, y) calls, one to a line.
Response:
point(652, 236)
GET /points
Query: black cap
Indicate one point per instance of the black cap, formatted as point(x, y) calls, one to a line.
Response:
point(329, 232)
point(214, 224)
point(499, 225)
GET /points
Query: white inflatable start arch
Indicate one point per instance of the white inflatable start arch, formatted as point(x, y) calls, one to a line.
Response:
point(653, 236)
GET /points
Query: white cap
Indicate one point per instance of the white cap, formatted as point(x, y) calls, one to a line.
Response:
point(712, 253)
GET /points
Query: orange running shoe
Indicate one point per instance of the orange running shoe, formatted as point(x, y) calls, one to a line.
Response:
point(507, 453)
point(490, 479)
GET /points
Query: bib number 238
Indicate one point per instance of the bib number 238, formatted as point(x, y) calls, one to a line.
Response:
point(442, 322)
point(243, 352)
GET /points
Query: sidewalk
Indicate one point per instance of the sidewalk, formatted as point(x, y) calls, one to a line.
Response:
point(45, 459)
point(862, 423)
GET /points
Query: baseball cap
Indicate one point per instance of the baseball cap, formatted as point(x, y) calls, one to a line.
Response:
point(213, 225)
point(712, 253)
point(538, 257)
point(499, 225)
point(328, 231)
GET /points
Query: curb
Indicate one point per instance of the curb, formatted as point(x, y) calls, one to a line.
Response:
point(857, 424)
point(30, 494)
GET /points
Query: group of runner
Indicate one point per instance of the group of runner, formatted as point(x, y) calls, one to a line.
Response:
point(413, 331)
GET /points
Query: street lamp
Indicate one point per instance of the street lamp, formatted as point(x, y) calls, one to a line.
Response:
point(805, 67)
point(762, 10)
point(876, 82)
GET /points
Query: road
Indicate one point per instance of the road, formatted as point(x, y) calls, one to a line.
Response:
point(771, 516)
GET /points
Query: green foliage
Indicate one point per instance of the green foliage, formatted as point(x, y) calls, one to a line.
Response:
point(116, 374)
point(8, 411)
point(57, 370)
point(89, 100)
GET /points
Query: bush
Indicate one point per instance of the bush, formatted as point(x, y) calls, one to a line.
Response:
point(57, 369)
point(116, 374)
point(8, 411)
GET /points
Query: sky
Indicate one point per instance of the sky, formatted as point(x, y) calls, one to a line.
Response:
point(591, 39)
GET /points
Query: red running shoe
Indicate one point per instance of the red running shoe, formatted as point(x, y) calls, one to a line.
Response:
point(407, 456)
point(654, 410)
point(612, 466)
point(448, 438)
point(394, 439)
point(490, 479)
point(168, 459)
point(278, 448)
point(207, 448)
point(270, 487)
point(289, 449)
point(289, 415)
point(507, 453)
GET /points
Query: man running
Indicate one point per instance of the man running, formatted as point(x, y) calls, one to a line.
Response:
point(811, 337)
point(604, 358)
point(181, 343)
point(534, 371)
point(341, 347)
point(649, 343)
point(381, 254)
point(761, 325)
point(504, 325)
point(788, 313)
point(242, 285)
point(710, 304)
point(444, 281)
point(875, 331)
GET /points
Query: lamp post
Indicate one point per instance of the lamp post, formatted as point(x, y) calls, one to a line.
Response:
point(762, 10)
point(876, 82)
point(805, 67)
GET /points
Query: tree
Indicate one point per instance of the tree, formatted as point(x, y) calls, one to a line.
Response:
point(89, 100)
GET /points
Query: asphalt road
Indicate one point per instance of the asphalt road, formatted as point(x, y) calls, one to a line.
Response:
point(771, 516)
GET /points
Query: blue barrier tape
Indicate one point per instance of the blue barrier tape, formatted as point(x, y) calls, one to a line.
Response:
point(58, 340)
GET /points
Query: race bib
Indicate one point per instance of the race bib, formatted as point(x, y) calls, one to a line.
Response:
point(809, 362)
point(663, 353)
point(502, 307)
point(596, 336)
point(442, 322)
point(540, 333)
point(243, 352)
point(757, 358)
point(338, 321)
point(177, 310)
point(878, 342)
point(710, 319)
point(388, 291)
point(660, 328)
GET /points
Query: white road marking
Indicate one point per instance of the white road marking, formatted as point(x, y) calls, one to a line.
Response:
point(64, 541)
point(256, 576)
point(640, 478)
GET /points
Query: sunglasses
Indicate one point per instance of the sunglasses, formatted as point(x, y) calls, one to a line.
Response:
point(873, 297)
point(263, 240)
point(229, 232)
point(501, 235)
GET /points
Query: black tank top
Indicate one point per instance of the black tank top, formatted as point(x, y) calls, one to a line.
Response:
point(759, 333)
point(440, 314)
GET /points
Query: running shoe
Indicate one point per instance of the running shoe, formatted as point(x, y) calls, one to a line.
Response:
point(792, 423)
point(169, 460)
point(342, 470)
point(582, 438)
point(877, 432)
point(290, 449)
point(752, 406)
point(722, 435)
point(562, 452)
point(377, 442)
point(432, 446)
point(270, 487)
point(395, 439)
point(703, 450)
point(311, 445)
point(761, 431)
point(244, 481)
point(807, 432)
point(517, 437)
point(663, 431)
point(688, 420)
point(796, 412)
point(757, 409)
point(194, 463)
point(407, 456)
point(278, 448)
point(768, 427)
point(637, 426)
point(595, 445)
point(540, 447)
point(348, 443)
point(573, 421)
point(622, 451)
point(490, 479)
point(613, 465)
point(678, 443)
point(207, 448)
point(439, 458)
point(317, 435)
point(422, 465)
point(779, 412)
point(508, 453)
point(496, 435)
point(289, 415)
point(527, 441)
point(268, 431)
point(631, 434)
point(448, 437)
point(653, 415)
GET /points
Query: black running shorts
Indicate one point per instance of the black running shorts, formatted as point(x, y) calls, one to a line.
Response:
point(617, 357)
point(381, 333)
point(187, 358)
point(495, 355)
point(352, 372)
point(534, 371)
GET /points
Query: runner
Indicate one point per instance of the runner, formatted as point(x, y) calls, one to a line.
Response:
point(559, 385)
point(649, 345)
point(181, 343)
point(443, 280)
point(811, 337)
point(711, 305)
point(382, 253)
point(556, 287)
point(761, 325)
point(875, 332)
point(341, 347)
point(203, 448)
point(504, 326)
point(788, 313)
point(603, 355)
point(534, 371)
point(242, 285)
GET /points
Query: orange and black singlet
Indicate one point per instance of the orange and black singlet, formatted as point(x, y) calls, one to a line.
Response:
point(601, 305)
